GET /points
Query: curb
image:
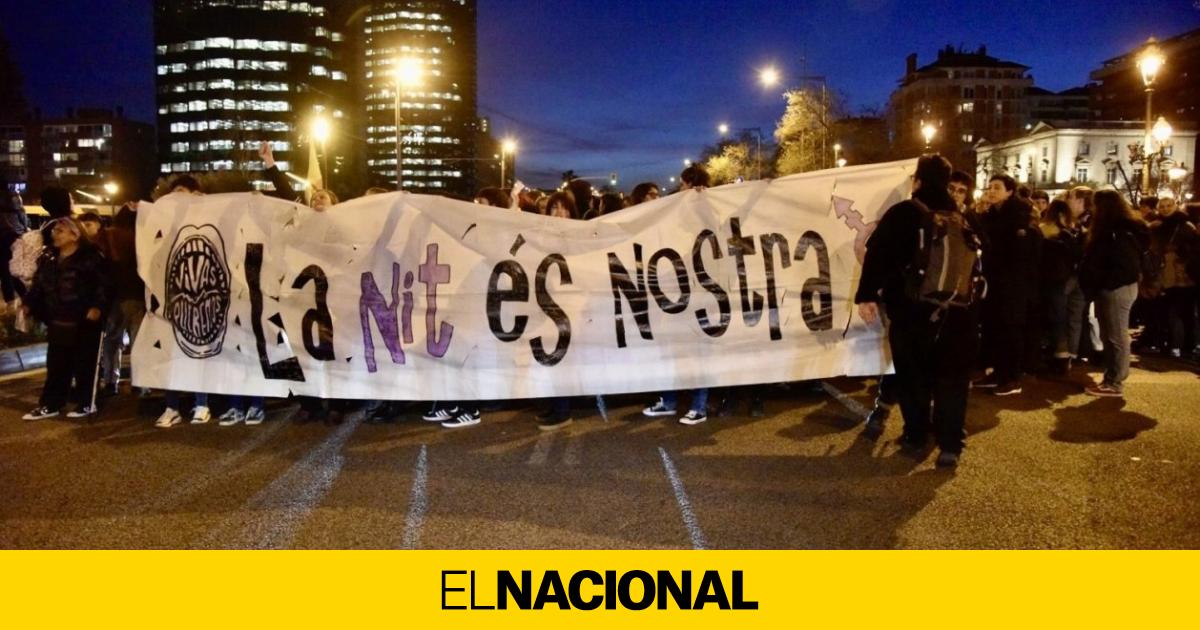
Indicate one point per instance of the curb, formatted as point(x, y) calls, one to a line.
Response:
point(23, 359)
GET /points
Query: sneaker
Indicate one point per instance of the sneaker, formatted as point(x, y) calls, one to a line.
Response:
point(168, 419)
point(41, 413)
point(1175, 353)
point(1007, 389)
point(915, 448)
point(693, 417)
point(201, 415)
point(658, 409)
point(946, 459)
point(1103, 390)
point(464, 418)
point(876, 421)
point(82, 412)
point(255, 416)
point(231, 417)
point(987, 382)
point(553, 422)
point(442, 414)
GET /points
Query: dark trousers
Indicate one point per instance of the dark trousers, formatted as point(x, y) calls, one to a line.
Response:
point(72, 364)
point(888, 394)
point(933, 361)
point(1004, 334)
point(1179, 306)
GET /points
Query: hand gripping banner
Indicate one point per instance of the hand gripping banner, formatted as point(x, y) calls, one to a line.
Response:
point(414, 297)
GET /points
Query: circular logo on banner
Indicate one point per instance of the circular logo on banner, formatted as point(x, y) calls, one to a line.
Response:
point(198, 291)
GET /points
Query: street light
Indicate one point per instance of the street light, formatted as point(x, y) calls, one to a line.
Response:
point(1149, 63)
point(320, 133)
point(408, 75)
point(723, 129)
point(768, 77)
point(111, 188)
point(507, 147)
point(687, 162)
point(928, 131)
point(837, 158)
point(841, 162)
point(1162, 131)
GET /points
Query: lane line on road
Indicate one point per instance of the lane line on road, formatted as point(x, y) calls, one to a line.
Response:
point(271, 518)
point(849, 403)
point(418, 502)
point(541, 450)
point(193, 484)
point(571, 454)
point(685, 506)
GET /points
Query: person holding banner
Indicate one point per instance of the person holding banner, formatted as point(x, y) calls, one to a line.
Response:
point(71, 292)
point(185, 185)
point(932, 332)
point(694, 177)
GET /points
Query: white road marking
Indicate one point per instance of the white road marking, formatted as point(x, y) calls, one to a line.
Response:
point(418, 502)
point(854, 406)
point(685, 506)
point(541, 450)
point(270, 519)
point(571, 456)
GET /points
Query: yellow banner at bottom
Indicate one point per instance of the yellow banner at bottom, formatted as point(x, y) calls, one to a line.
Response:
point(597, 589)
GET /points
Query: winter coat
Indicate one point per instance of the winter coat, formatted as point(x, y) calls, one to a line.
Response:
point(1011, 258)
point(1173, 240)
point(122, 257)
point(1114, 260)
point(1062, 251)
point(892, 249)
point(66, 288)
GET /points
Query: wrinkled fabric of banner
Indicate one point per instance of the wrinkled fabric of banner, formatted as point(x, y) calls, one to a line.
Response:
point(413, 297)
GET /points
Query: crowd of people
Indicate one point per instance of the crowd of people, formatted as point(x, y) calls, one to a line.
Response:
point(1006, 285)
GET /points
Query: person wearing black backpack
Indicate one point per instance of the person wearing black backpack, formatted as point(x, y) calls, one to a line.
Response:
point(1113, 258)
point(931, 316)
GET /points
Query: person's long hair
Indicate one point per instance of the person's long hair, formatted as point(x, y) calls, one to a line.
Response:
point(1112, 213)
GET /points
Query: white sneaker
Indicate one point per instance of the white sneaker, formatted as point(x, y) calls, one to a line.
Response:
point(254, 416)
point(41, 413)
point(82, 412)
point(693, 417)
point(201, 415)
point(658, 409)
point(231, 417)
point(441, 414)
point(168, 419)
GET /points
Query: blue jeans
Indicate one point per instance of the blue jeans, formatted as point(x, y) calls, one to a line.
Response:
point(699, 400)
point(174, 399)
point(238, 402)
point(1066, 318)
point(1112, 308)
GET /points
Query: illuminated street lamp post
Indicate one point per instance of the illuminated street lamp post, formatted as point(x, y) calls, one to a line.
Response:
point(507, 148)
point(111, 189)
point(837, 157)
point(928, 132)
point(408, 75)
point(320, 135)
point(1149, 63)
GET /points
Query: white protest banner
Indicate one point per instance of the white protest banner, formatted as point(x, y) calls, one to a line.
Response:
point(413, 297)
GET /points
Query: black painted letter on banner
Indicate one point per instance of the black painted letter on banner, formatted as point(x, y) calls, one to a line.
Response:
point(289, 368)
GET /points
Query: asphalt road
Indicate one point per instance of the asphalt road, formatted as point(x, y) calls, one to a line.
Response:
point(1052, 468)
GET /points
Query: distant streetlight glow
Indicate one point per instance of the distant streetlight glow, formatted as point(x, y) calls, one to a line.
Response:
point(320, 129)
point(768, 77)
point(507, 147)
point(928, 132)
point(409, 72)
point(1150, 62)
point(1162, 130)
point(687, 162)
point(723, 129)
point(841, 162)
point(111, 188)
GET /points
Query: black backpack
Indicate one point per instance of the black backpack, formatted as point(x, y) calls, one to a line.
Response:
point(947, 269)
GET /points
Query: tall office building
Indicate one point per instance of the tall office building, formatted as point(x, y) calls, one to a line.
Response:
point(437, 119)
point(234, 73)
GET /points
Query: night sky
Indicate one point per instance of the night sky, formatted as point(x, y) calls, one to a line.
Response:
point(601, 86)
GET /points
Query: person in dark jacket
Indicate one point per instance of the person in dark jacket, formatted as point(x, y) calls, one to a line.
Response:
point(129, 299)
point(1109, 273)
point(13, 223)
point(932, 348)
point(1174, 241)
point(1062, 250)
point(71, 292)
point(1011, 271)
